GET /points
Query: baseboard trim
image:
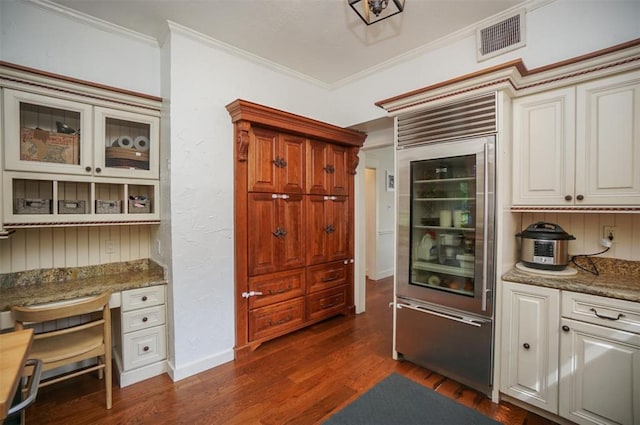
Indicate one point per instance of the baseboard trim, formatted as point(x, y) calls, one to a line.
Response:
point(193, 368)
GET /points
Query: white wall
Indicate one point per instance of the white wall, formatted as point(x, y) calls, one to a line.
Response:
point(198, 78)
point(382, 159)
point(40, 37)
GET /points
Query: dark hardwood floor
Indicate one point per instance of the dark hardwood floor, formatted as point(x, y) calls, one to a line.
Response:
point(300, 378)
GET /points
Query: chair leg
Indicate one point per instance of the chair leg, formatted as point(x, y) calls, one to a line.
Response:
point(108, 378)
point(100, 371)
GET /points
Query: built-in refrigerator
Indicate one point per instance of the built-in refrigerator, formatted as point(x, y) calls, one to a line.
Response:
point(445, 274)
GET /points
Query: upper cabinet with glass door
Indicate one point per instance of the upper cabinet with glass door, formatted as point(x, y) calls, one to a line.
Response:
point(47, 134)
point(126, 143)
point(53, 135)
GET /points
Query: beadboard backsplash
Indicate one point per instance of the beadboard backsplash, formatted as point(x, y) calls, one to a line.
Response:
point(47, 247)
point(587, 229)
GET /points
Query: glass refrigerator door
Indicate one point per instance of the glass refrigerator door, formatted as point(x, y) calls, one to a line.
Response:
point(443, 224)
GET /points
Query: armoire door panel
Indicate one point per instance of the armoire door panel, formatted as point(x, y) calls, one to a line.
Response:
point(263, 151)
point(317, 175)
point(291, 218)
point(262, 213)
point(292, 155)
point(317, 235)
point(338, 244)
point(339, 178)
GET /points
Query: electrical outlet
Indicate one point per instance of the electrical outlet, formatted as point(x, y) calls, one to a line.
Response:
point(609, 232)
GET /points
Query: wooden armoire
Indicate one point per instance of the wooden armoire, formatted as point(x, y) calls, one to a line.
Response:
point(294, 180)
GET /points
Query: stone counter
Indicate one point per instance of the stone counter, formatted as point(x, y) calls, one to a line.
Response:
point(48, 285)
point(617, 279)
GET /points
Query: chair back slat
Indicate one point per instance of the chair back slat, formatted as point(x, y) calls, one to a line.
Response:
point(42, 314)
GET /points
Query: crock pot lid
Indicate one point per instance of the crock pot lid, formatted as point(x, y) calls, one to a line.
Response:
point(544, 230)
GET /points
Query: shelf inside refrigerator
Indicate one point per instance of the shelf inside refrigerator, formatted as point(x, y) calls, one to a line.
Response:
point(457, 229)
point(443, 268)
point(444, 281)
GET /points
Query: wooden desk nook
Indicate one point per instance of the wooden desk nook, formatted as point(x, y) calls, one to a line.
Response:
point(14, 347)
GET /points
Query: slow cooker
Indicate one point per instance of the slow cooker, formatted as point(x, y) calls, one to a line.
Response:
point(545, 246)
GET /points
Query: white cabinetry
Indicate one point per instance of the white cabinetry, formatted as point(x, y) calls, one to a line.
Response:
point(530, 338)
point(140, 335)
point(574, 355)
point(75, 153)
point(579, 145)
point(600, 360)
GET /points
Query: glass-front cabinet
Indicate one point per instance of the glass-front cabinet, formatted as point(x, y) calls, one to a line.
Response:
point(75, 155)
point(442, 231)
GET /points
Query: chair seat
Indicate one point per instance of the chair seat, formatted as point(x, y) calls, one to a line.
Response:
point(67, 346)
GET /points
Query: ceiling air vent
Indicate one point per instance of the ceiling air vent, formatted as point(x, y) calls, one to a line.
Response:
point(470, 117)
point(500, 37)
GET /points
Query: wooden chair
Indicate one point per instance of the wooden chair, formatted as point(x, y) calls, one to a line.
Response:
point(73, 343)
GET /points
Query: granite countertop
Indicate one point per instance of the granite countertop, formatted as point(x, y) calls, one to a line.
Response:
point(617, 279)
point(48, 285)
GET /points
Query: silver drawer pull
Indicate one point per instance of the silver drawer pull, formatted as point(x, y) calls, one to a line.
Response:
point(620, 315)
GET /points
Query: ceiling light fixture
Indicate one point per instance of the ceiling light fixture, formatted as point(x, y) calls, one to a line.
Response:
point(372, 11)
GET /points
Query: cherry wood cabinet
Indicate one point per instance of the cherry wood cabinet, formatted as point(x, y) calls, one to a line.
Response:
point(327, 173)
point(294, 180)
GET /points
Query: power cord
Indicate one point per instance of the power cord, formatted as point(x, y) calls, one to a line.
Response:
point(594, 269)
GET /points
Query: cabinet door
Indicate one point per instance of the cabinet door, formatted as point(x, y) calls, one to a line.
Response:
point(262, 214)
point(291, 171)
point(276, 234)
point(530, 339)
point(608, 141)
point(543, 148)
point(263, 151)
point(327, 169)
point(600, 370)
point(339, 177)
point(46, 134)
point(290, 218)
point(317, 175)
point(126, 144)
point(328, 234)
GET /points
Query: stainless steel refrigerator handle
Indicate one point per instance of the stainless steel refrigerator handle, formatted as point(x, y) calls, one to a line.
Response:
point(444, 316)
point(485, 230)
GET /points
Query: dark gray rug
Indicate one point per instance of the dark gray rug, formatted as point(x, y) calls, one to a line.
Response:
point(397, 400)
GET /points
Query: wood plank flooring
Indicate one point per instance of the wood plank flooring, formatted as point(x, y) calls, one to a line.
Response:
point(299, 379)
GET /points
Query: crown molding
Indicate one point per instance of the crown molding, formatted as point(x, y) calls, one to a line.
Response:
point(217, 44)
point(517, 80)
point(93, 21)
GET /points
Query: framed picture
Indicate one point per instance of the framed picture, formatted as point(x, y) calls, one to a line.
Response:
point(390, 181)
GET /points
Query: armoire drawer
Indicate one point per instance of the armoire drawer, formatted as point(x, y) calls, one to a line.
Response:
point(142, 297)
point(144, 318)
point(326, 276)
point(276, 287)
point(326, 303)
point(276, 319)
point(144, 347)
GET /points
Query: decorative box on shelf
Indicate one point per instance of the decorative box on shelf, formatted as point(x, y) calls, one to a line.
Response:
point(32, 206)
point(132, 158)
point(139, 206)
point(72, 207)
point(108, 207)
point(46, 146)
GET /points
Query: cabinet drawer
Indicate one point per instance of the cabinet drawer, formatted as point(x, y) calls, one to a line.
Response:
point(609, 312)
point(276, 287)
point(142, 297)
point(327, 303)
point(276, 319)
point(144, 318)
point(144, 347)
point(326, 276)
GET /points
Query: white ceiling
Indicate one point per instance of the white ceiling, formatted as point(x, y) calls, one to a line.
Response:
point(321, 39)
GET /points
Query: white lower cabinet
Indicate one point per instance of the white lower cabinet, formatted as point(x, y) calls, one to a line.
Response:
point(140, 335)
point(599, 360)
point(530, 338)
point(574, 355)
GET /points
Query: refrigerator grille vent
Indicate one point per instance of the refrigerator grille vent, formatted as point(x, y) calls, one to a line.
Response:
point(470, 117)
